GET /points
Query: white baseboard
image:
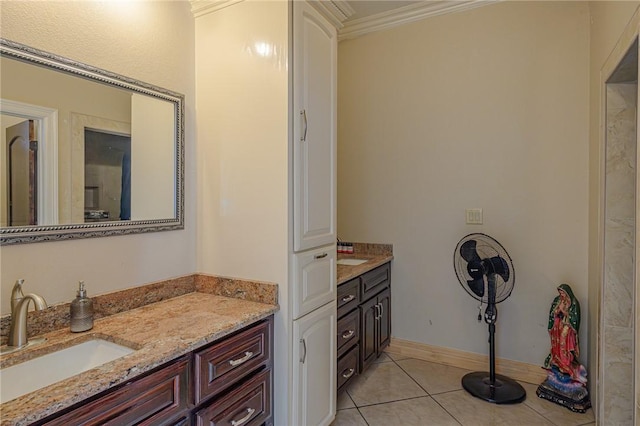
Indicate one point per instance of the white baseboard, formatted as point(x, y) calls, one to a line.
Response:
point(522, 371)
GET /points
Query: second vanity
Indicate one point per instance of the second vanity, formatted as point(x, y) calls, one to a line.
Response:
point(197, 357)
point(364, 314)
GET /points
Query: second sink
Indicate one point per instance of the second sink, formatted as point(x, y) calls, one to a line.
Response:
point(351, 262)
point(36, 373)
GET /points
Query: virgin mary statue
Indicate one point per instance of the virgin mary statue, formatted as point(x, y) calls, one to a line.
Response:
point(566, 378)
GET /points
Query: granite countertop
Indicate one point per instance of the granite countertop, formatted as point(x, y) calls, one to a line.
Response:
point(159, 332)
point(347, 272)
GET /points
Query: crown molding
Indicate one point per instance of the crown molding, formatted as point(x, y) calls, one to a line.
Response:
point(203, 7)
point(405, 15)
point(336, 11)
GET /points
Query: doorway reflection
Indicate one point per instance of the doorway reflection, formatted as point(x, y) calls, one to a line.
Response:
point(107, 176)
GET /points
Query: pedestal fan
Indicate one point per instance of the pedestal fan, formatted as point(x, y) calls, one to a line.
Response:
point(485, 271)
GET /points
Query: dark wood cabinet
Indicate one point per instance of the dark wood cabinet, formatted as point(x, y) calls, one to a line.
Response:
point(247, 405)
point(348, 296)
point(375, 318)
point(384, 322)
point(364, 322)
point(223, 364)
point(226, 382)
point(158, 398)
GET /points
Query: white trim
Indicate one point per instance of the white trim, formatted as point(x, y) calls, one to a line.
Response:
point(47, 155)
point(204, 7)
point(517, 370)
point(405, 15)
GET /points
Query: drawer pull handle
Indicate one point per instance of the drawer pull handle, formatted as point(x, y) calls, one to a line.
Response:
point(348, 298)
point(348, 334)
point(243, 420)
point(245, 358)
point(348, 373)
point(320, 256)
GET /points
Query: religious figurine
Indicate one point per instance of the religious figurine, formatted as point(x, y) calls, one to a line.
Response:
point(566, 378)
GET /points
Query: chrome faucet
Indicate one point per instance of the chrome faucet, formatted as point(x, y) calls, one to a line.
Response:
point(19, 309)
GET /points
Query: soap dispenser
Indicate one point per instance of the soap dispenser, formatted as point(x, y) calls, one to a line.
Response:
point(81, 311)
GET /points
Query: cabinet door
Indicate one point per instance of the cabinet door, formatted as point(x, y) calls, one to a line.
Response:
point(314, 280)
point(384, 323)
point(368, 319)
point(314, 135)
point(314, 371)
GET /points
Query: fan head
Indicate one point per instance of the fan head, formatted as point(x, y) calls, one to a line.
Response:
point(477, 259)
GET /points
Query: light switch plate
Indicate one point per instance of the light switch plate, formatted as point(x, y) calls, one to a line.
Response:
point(474, 216)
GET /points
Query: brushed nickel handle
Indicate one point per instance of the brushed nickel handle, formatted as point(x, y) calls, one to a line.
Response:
point(378, 315)
point(243, 420)
point(245, 358)
point(349, 373)
point(303, 114)
point(348, 334)
point(304, 351)
point(381, 309)
point(320, 256)
point(348, 298)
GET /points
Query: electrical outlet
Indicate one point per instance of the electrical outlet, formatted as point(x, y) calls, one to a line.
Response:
point(474, 216)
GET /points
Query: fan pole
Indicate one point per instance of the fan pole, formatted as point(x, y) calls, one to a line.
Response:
point(496, 388)
point(492, 354)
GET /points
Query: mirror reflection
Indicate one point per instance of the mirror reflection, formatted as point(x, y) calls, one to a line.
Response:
point(81, 146)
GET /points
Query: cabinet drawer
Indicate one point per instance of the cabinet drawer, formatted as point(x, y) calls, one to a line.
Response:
point(348, 296)
point(225, 363)
point(154, 399)
point(348, 331)
point(315, 279)
point(348, 367)
point(374, 281)
point(247, 405)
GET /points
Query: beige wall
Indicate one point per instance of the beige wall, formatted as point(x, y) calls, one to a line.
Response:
point(486, 108)
point(148, 41)
point(243, 156)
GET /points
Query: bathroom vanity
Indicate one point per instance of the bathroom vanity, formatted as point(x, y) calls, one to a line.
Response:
point(364, 312)
point(198, 358)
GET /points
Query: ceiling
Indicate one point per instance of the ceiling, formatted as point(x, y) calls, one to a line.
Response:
point(365, 8)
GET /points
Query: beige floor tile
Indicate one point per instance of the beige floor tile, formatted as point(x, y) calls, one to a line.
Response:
point(395, 357)
point(383, 382)
point(344, 401)
point(554, 412)
point(383, 358)
point(471, 411)
point(409, 412)
point(434, 378)
point(349, 417)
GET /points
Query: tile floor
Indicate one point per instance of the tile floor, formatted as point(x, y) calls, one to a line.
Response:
point(404, 391)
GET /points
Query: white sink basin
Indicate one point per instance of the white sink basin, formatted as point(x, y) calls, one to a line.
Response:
point(36, 373)
point(351, 262)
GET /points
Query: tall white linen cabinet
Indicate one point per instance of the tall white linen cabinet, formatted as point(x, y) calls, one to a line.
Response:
point(266, 169)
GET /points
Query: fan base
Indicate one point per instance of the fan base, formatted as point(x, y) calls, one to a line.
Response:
point(504, 391)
